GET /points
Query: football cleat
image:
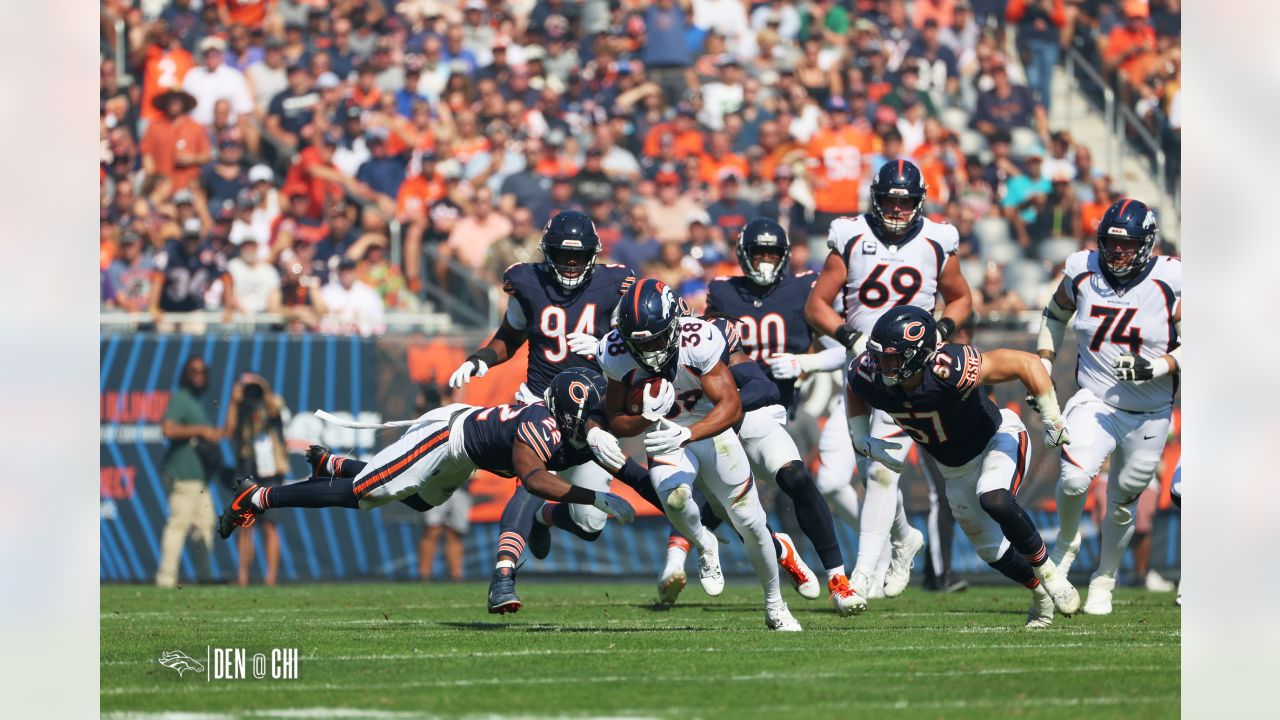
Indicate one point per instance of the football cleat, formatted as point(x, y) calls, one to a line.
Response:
point(861, 583)
point(502, 592)
point(1099, 600)
point(540, 540)
point(904, 558)
point(1068, 554)
point(1178, 600)
point(1156, 582)
point(322, 461)
point(709, 573)
point(670, 585)
point(1065, 597)
point(802, 578)
point(241, 512)
point(778, 617)
point(876, 591)
point(847, 601)
point(1041, 613)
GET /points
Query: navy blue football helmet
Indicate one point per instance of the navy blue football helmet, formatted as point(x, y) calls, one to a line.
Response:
point(1126, 235)
point(571, 397)
point(902, 342)
point(570, 245)
point(897, 196)
point(763, 236)
point(649, 323)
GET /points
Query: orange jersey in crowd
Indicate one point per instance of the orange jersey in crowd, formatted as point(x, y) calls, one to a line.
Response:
point(164, 69)
point(686, 144)
point(249, 13)
point(836, 159)
point(711, 171)
point(300, 179)
point(1122, 40)
point(418, 193)
point(466, 148)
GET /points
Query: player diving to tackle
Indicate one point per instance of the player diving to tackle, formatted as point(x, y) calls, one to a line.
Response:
point(560, 307)
point(888, 258)
point(440, 450)
point(1127, 312)
point(689, 421)
point(933, 393)
point(767, 303)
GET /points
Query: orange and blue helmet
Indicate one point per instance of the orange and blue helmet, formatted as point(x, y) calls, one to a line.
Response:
point(1126, 236)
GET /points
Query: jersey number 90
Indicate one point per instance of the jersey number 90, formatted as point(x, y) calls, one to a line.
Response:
point(764, 338)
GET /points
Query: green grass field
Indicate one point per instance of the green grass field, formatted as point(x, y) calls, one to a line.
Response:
point(602, 649)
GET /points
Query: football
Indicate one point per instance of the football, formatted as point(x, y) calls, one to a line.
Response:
point(635, 396)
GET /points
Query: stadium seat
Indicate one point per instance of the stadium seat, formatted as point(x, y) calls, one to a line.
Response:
point(955, 119)
point(992, 231)
point(1025, 277)
point(972, 269)
point(972, 142)
point(1025, 142)
point(1055, 250)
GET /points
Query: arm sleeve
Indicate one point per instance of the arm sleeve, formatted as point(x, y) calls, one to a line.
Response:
point(515, 315)
point(830, 357)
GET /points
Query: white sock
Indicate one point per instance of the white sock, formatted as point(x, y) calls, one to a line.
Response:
point(901, 526)
point(256, 498)
point(505, 564)
point(748, 518)
point(1115, 537)
point(543, 515)
point(879, 509)
point(677, 552)
point(844, 501)
point(834, 572)
point(1070, 509)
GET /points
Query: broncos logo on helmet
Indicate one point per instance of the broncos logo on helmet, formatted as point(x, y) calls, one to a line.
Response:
point(649, 323)
point(897, 196)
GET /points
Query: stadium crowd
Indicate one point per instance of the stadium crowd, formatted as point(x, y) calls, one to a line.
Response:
point(276, 155)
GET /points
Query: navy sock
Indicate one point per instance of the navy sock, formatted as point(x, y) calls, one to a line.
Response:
point(347, 467)
point(1015, 524)
point(561, 518)
point(313, 493)
point(812, 513)
point(516, 524)
point(1015, 567)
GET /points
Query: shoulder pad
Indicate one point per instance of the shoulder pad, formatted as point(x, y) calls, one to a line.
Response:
point(844, 229)
point(959, 366)
point(1169, 270)
point(945, 234)
point(516, 279)
point(1076, 263)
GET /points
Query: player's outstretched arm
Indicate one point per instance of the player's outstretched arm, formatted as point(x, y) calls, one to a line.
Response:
point(819, 309)
point(859, 417)
point(720, 389)
point(549, 486)
point(498, 350)
point(1005, 365)
point(1057, 313)
point(957, 295)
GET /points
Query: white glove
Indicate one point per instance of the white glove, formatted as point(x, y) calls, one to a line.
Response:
point(879, 451)
point(615, 507)
point(606, 449)
point(583, 344)
point(656, 408)
point(466, 371)
point(666, 438)
point(784, 366)
point(1055, 426)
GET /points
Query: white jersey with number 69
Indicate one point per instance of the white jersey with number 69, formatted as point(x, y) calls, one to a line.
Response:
point(884, 276)
point(702, 345)
point(1111, 322)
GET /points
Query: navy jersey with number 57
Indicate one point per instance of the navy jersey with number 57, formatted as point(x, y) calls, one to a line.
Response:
point(489, 435)
point(549, 314)
point(770, 323)
point(948, 413)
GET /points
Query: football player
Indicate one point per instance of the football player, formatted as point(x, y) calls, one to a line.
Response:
point(890, 257)
point(1127, 310)
point(440, 450)
point(561, 306)
point(688, 419)
point(768, 304)
point(932, 392)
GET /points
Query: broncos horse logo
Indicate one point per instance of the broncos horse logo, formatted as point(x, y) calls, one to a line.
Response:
point(180, 661)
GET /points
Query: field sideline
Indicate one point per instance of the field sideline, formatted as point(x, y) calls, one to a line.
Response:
point(602, 649)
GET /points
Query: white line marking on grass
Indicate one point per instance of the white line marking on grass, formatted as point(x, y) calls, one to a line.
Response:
point(323, 712)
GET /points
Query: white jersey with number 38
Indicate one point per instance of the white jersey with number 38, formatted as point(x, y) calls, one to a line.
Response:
point(884, 276)
point(1109, 323)
point(701, 347)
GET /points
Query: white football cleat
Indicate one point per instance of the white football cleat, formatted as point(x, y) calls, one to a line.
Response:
point(802, 578)
point(670, 585)
point(1158, 583)
point(1099, 600)
point(898, 576)
point(876, 591)
point(861, 584)
point(709, 573)
point(1041, 613)
point(778, 617)
point(1178, 600)
point(847, 601)
point(1065, 597)
point(1067, 555)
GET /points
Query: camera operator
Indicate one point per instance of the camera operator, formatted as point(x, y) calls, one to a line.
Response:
point(191, 435)
point(255, 427)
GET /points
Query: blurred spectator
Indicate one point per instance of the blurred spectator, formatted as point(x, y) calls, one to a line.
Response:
point(472, 235)
point(351, 305)
point(376, 271)
point(592, 184)
point(290, 112)
point(225, 178)
point(669, 210)
point(191, 277)
point(1007, 106)
point(1038, 24)
point(993, 297)
point(666, 52)
point(1130, 44)
point(521, 245)
point(1024, 199)
point(300, 300)
point(130, 275)
point(254, 278)
point(1058, 162)
point(267, 76)
point(672, 266)
point(526, 188)
point(165, 63)
point(638, 246)
point(214, 80)
point(1060, 215)
point(730, 213)
point(175, 146)
point(191, 434)
point(782, 206)
point(837, 158)
point(255, 426)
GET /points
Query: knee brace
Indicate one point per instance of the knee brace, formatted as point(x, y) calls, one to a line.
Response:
point(793, 478)
point(1122, 514)
point(1073, 479)
point(1135, 476)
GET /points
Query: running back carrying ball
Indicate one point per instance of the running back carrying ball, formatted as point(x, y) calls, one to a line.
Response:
point(635, 396)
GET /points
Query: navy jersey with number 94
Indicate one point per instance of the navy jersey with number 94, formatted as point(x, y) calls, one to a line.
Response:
point(770, 323)
point(948, 413)
point(549, 314)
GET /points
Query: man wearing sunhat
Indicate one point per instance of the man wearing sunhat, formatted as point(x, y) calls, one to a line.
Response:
point(175, 146)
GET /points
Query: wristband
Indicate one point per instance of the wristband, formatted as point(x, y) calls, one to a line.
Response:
point(946, 326)
point(485, 355)
point(846, 336)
